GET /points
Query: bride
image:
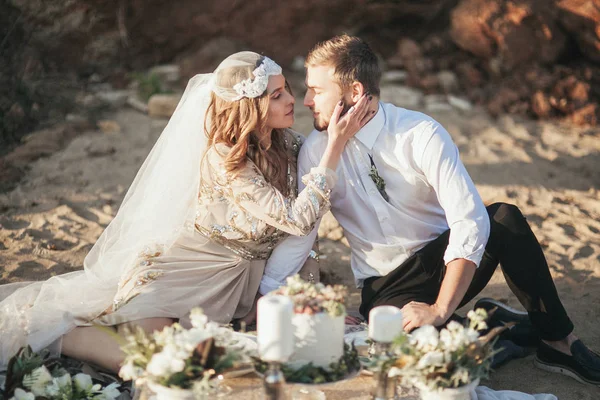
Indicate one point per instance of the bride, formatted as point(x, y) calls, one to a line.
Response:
point(215, 195)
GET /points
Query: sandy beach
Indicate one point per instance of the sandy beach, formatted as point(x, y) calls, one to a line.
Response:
point(551, 171)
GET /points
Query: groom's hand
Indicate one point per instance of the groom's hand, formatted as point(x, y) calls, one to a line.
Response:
point(416, 314)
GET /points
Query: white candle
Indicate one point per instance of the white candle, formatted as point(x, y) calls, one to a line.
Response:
point(385, 323)
point(274, 328)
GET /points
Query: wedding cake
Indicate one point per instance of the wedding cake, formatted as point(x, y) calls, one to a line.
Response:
point(318, 322)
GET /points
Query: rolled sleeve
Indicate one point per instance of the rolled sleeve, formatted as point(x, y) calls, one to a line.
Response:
point(465, 212)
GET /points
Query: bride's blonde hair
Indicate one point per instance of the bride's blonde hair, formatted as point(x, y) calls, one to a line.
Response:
point(242, 126)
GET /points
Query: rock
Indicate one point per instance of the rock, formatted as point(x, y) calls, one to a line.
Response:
point(540, 105)
point(207, 58)
point(16, 111)
point(395, 76)
point(100, 149)
point(437, 102)
point(115, 98)
point(513, 32)
point(409, 49)
point(9, 176)
point(570, 94)
point(88, 101)
point(163, 105)
point(402, 96)
point(40, 144)
point(100, 87)
point(409, 57)
point(581, 18)
point(429, 83)
point(471, 75)
point(168, 75)
point(460, 103)
point(588, 115)
point(503, 99)
point(109, 126)
point(137, 104)
point(447, 81)
point(78, 121)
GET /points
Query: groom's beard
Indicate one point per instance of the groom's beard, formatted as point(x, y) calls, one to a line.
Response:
point(322, 125)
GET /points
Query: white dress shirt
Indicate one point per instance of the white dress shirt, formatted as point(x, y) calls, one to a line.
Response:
point(428, 187)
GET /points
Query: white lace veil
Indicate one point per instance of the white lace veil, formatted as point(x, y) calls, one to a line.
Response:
point(160, 201)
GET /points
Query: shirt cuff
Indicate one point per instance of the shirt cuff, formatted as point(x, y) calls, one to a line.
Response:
point(454, 253)
point(268, 284)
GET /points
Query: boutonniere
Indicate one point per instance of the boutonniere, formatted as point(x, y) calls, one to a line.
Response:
point(378, 180)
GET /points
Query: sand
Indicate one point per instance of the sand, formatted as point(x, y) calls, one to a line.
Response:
point(550, 170)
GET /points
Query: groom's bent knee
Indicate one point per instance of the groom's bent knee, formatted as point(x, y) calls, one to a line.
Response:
point(509, 217)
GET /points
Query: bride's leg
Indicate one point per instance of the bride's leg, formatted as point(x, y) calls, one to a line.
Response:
point(88, 343)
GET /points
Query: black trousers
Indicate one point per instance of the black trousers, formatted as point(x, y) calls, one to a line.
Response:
point(511, 244)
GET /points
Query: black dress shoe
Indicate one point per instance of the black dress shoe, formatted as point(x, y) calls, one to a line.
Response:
point(523, 333)
point(503, 312)
point(583, 365)
point(506, 350)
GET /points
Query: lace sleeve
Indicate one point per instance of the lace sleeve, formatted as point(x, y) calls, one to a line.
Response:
point(251, 192)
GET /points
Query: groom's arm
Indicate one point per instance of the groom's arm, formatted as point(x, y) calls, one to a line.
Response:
point(289, 256)
point(439, 160)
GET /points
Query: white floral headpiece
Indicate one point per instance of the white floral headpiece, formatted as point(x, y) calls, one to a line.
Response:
point(252, 88)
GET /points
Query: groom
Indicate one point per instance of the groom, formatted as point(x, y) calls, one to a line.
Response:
point(420, 236)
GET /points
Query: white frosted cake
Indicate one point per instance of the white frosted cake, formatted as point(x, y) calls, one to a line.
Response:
point(318, 322)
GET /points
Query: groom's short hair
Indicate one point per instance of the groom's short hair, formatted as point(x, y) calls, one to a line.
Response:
point(352, 59)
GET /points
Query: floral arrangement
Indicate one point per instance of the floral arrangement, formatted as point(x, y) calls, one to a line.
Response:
point(33, 376)
point(180, 358)
point(314, 298)
point(453, 357)
point(347, 365)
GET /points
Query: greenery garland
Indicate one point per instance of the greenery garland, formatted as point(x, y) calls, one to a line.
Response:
point(348, 364)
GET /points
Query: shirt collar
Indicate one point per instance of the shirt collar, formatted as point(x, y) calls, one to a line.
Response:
point(368, 134)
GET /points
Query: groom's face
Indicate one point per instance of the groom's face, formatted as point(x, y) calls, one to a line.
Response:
point(322, 94)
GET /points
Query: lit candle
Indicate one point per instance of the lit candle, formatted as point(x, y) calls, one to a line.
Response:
point(385, 323)
point(274, 328)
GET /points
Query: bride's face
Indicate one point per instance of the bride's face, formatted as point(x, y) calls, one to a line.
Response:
point(281, 104)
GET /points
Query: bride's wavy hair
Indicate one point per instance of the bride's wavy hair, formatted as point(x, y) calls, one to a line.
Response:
point(242, 126)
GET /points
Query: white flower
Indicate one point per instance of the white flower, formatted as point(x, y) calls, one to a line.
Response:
point(158, 365)
point(20, 394)
point(198, 318)
point(60, 384)
point(165, 363)
point(461, 377)
point(434, 358)
point(63, 381)
point(130, 372)
point(471, 335)
point(84, 382)
point(477, 319)
point(110, 392)
point(425, 338)
point(187, 341)
point(454, 326)
point(41, 377)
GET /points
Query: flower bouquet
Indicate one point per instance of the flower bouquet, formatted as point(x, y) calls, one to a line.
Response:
point(448, 363)
point(181, 363)
point(33, 376)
